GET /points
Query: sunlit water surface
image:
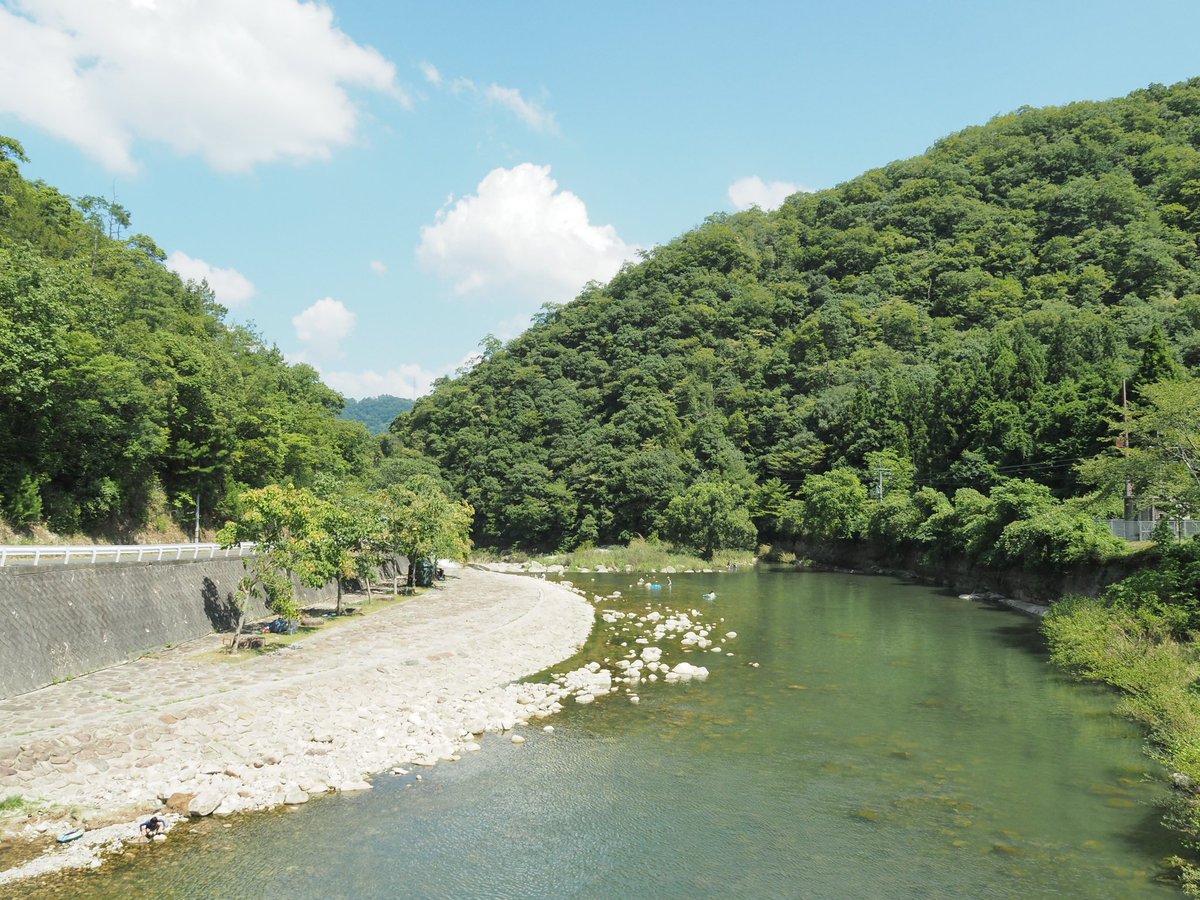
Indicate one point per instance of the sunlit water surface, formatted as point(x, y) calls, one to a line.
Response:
point(893, 742)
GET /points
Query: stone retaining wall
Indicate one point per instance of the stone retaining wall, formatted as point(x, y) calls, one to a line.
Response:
point(56, 623)
point(1028, 584)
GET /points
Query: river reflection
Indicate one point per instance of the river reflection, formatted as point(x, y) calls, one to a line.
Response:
point(891, 742)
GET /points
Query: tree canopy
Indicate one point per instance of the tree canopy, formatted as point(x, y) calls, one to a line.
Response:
point(1158, 451)
point(974, 311)
point(124, 393)
point(708, 516)
point(949, 322)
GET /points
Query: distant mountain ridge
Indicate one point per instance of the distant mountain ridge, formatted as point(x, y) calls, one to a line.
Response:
point(377, 413)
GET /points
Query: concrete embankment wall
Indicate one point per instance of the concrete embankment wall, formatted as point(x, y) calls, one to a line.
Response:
point(59, 622)
point(1031, 585)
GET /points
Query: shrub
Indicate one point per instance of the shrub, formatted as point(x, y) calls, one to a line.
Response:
point(1169, 591)
point(950, 526)
point(1057, 535)
point(1012, 501)
point(1131, 648)
point(894, 520)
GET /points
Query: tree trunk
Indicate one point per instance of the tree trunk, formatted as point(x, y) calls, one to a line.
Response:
point(338, 579)
point(367, 582)
point(237, 631)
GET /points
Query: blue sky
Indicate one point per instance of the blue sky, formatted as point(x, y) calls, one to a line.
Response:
point(377, 185)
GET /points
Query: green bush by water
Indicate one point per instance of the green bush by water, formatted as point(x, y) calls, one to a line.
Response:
point(639, 555)
point(1139, 636)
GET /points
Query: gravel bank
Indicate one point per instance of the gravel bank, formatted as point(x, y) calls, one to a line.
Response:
point(411, 685)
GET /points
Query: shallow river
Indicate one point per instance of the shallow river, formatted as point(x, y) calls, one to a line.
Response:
point(893, 742)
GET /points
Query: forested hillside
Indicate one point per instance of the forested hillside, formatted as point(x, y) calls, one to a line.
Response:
point(124, 394)
point(377, 413)
point(970, 314)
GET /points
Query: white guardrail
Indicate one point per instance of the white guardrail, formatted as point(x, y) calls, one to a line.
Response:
point(52, 554)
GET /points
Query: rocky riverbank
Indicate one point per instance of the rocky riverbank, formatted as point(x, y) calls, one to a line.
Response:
point(183, 735)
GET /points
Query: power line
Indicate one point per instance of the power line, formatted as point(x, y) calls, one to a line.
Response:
point(943, 479)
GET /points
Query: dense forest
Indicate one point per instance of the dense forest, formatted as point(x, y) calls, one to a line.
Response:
point(951, 325)
point(938, 342)
point(377, 413)
point(125, 396)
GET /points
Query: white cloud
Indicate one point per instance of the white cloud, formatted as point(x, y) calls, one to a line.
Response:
point(520, 233)
point(378, 267)
point(432, 75)
point(526, 110)
point(229, 286)
point(753, 191)
point(322, 328)
point(401, 381)
point(236, 83)
point(507, 329)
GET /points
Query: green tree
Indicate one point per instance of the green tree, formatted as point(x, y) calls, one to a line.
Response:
point(124, 394)
point(1162, 461)
point(1157, 362)
point(369, 547)
point(710, 516)
point(1057, 535)
point(982, 526)
point(894, 521)
point(422, 522)
point(263, 580)
point(11, 153)
point(280, 521)
point(833, 506)
point(326, 552)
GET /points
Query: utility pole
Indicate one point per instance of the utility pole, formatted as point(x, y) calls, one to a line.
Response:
point(880, 472)
point(1130, 503)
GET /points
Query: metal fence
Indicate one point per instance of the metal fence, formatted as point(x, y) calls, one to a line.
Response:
point(1136, 530)
point(50, 554)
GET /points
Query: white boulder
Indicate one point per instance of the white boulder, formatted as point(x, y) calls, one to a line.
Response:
point(204, 803)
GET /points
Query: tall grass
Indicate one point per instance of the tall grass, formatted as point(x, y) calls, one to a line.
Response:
point(1133, 651)
point(639, 556)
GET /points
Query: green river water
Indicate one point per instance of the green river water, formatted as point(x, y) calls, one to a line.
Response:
point(892, 742)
